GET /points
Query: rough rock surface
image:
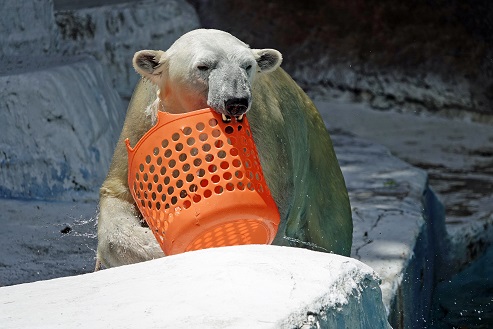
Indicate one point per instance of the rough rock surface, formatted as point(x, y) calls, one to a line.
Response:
point(458, 157)
point(113, 33)
point(28, 28)
point(60, 122)
point(396, 217)
point(385, 89)
point(277, 287)
point(432, 56)
point(60, 111)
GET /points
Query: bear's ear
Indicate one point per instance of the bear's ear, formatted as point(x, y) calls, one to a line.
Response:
point(267, 59)
point(149, 64)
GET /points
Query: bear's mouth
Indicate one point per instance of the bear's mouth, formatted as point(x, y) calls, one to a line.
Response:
point(228, 118)
point(235, 107)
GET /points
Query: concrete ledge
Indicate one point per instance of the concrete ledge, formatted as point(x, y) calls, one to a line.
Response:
point(60, 123)
point(233, 287)
point(398, 223)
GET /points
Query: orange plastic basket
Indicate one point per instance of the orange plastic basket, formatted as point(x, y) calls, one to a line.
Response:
point(198, 183)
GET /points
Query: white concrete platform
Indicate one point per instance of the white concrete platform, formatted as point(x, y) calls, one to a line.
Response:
point(232, 287)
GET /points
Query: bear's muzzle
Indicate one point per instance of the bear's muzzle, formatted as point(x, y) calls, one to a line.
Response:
point(236, 106)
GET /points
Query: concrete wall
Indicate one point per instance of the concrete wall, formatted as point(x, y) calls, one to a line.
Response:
point(60, 73)
point(28, 29)
point(60, 121)
point(112, 34)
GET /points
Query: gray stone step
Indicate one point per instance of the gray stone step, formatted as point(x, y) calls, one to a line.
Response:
point(60, 122)
point(113, 33)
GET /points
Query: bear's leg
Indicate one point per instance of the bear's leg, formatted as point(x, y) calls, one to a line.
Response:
point(98, 265)
point(121, 237)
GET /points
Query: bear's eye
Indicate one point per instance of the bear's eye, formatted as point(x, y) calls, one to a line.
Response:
point(202, 67)
point(248, 68)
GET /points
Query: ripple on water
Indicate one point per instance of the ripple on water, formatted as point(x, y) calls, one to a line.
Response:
point(466, 300)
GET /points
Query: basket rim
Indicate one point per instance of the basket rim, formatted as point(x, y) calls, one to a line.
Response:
point(165, 118)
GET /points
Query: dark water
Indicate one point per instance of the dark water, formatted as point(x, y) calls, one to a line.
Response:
point(466, 300)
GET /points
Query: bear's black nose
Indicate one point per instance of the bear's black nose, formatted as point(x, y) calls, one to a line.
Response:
point(236, 106)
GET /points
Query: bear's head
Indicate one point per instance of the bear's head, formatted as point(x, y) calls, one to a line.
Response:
point(206, 68)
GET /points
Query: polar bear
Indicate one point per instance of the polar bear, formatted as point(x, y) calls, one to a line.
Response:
point(211, 68)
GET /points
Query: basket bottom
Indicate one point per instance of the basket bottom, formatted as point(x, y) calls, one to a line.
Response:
point(237, 232)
